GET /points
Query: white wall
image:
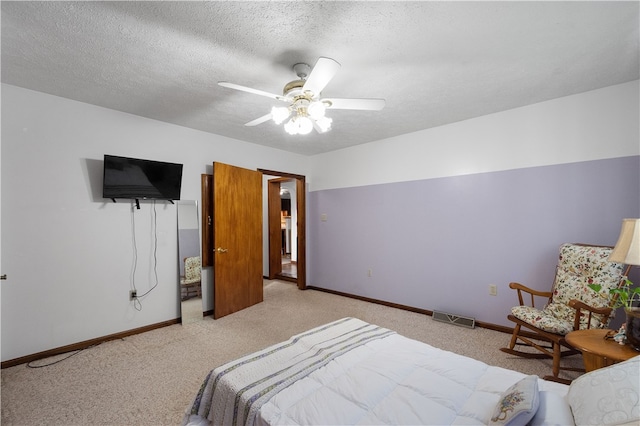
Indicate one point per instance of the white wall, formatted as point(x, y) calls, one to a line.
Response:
point(67, 251)
point(564, 130)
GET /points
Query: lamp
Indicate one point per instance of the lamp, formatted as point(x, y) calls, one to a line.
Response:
point(627, 249)
point(299, 125)
point(279, 114)
point(316, 110)
point(306, 114)
point(323, 124)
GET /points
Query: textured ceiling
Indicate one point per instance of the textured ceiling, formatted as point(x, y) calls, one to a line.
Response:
point(434, 62)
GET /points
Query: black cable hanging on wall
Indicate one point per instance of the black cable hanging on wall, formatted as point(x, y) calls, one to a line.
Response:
point(137, 302)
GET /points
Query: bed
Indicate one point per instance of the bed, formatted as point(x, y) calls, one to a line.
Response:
point(352, 372)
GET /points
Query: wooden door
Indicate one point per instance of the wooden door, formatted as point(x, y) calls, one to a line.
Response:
point(275, 229)
point(206, 182)
point(237, 238)
point(301, 203)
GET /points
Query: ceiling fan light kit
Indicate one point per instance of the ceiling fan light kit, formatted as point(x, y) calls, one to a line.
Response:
point(316, 110)
point(279, 114)
point(306, 115)
point(306, 110)
point(299, 125)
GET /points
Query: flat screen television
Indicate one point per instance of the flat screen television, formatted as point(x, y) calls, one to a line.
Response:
point(133, 178)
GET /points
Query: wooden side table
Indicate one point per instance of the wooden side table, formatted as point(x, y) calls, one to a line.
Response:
point(598, 352)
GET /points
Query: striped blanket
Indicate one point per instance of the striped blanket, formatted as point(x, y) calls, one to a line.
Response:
point(233, 393)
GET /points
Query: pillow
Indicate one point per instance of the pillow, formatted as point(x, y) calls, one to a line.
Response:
point(608, 396)
point(553, 410)
point(518, 404)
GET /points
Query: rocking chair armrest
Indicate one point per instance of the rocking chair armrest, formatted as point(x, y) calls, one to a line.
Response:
point(580, 306)
point(523, 288)
point(518, 286)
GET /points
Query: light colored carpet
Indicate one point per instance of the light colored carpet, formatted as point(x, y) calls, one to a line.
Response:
point(151, 378)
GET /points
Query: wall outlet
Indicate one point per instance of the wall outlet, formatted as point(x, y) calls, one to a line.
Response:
point(133, 294)
point(493, 289)
point(369, 273)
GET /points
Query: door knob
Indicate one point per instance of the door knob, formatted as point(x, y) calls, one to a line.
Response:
point(221, 250)
point(3, 277)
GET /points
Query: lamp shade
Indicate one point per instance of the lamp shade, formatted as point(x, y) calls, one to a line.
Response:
point(627, 249)
point(279, 114)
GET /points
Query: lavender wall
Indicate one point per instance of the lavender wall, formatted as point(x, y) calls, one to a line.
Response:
point(439, 243)
point(188, 245)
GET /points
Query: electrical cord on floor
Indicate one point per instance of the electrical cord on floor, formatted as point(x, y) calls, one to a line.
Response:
point(76, 352)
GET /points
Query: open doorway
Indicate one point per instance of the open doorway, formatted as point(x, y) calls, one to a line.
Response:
point(286, 227)
point(289, 231)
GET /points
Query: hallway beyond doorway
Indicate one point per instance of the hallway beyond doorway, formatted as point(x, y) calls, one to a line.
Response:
point(289, 268)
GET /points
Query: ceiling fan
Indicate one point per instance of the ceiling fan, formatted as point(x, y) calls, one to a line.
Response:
point(306, 109)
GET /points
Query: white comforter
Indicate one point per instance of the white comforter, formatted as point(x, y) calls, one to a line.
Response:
point(385, 380)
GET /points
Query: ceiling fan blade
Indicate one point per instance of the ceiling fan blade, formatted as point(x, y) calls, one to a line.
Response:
point(321, 74)
point(259, 120)
point(362, 104)
point(254, 91)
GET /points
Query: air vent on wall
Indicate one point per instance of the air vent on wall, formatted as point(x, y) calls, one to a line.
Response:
point(454, 319)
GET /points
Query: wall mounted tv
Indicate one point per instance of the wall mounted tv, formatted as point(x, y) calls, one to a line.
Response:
point(133, 178)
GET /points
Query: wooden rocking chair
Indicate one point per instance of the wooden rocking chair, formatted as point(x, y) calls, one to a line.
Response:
point(572, 305)
point(191, 282)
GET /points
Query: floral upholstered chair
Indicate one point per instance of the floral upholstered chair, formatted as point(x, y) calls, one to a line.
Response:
point(190, 283)
point(571, 305)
